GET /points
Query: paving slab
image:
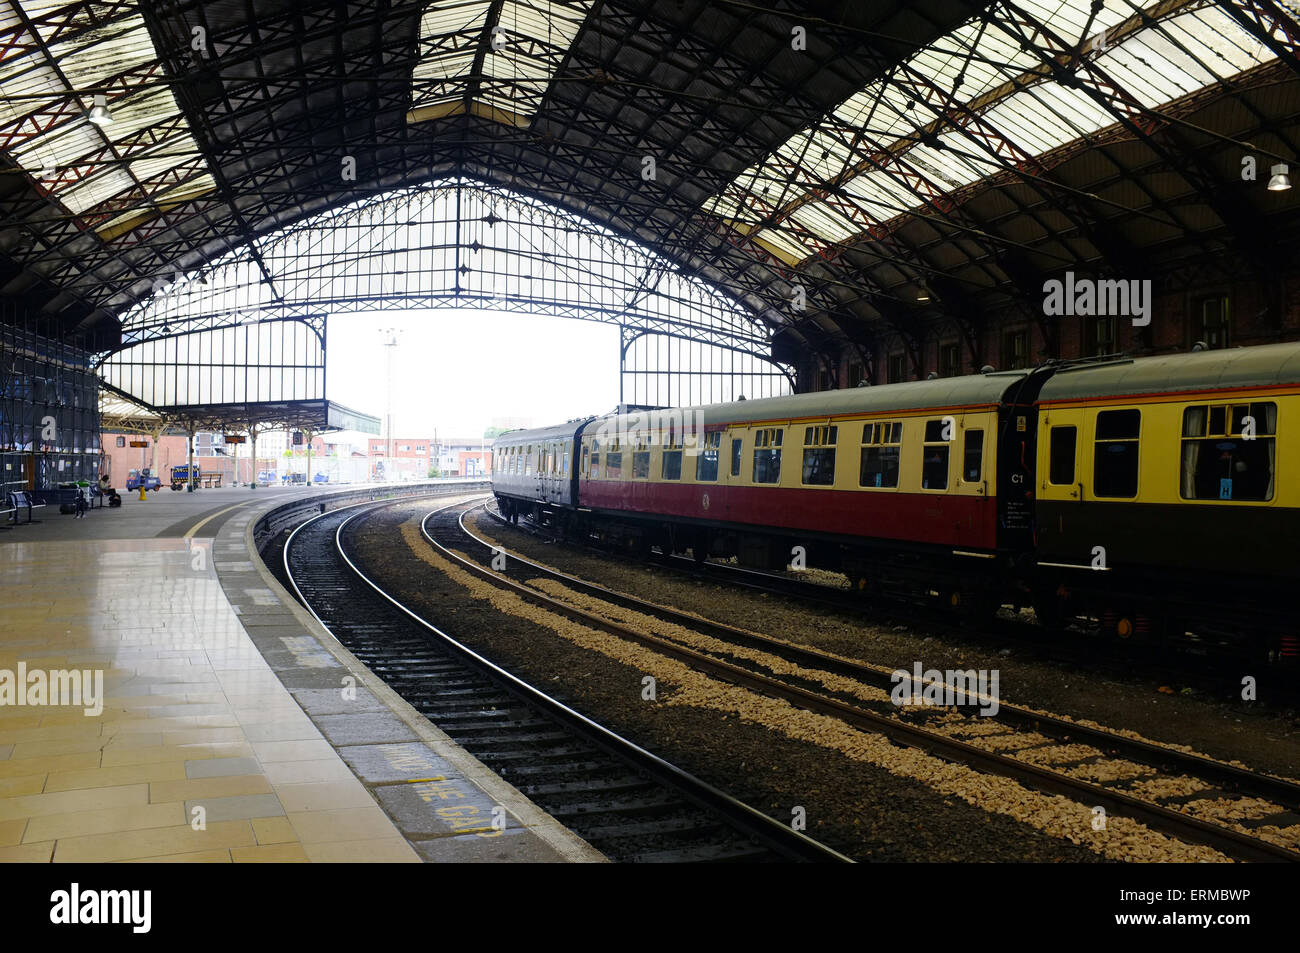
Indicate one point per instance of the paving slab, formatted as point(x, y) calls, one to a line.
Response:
point(221, 692)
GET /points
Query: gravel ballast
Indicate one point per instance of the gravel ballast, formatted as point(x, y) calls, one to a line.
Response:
point(861, 793)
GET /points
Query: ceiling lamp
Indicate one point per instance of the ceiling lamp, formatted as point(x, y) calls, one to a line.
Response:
point(1280, 181)
point(100, 115)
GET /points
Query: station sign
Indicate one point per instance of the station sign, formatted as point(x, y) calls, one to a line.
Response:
point(234, 438)
point(139, 443)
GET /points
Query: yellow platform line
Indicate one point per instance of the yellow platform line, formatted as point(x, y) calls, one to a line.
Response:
point(207, 519)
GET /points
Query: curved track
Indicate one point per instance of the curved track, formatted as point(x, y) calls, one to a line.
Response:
point(626, 802)
point(445, 529)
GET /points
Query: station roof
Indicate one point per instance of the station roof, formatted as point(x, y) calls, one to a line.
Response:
point(898, 159)
point(120, 413)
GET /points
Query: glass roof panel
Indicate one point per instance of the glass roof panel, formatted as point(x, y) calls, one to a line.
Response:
point(881, 195)
point(1182, 55)
point(114, 41)
point(89, 192)
point(725, 207)
point(165, 156)
point(443, 18)
point(1162, 57)
point(782, 244)
point(517, 68)
point(823, 221)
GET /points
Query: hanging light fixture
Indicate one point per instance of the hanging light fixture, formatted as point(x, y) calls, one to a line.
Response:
point(99, 113)
point(1280, 181)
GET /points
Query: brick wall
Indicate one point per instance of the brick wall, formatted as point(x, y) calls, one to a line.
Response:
point(1176, 323)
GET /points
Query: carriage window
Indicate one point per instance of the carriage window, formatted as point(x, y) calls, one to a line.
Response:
point(706, 465)
point(880, 451)
point(1229, 452)
point(735, 456)
point(671, 468)
point(528, 461)
point(1060, 455)
point(973, 456)
point(767, 455)
point(586, 461)
point(641, 460)
point(1115, 464)
point(614, 461)
point(564, 464)
point(819, 455)
point(934, 457)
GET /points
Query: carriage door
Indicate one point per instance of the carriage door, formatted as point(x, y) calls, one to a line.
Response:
point(1017, 465)
point(1064, 434)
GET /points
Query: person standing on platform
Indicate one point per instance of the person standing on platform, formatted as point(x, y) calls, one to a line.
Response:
point(81, 502)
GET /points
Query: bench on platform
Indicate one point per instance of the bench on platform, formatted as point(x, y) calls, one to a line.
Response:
point(17, 502)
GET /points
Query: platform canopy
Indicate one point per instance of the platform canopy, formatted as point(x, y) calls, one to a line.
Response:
point(120, 412)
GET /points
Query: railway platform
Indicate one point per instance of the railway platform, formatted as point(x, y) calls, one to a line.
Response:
point(162, 698)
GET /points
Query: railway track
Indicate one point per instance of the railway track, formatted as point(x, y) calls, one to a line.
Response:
point(959, 735)
point(626, 802)
point(1210, 667)
point(1205, 669)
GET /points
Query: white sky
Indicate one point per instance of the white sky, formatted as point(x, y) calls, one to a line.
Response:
point(457, 369)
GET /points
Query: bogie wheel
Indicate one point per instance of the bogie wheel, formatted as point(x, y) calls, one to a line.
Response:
point(1048, 609)
point(700, 548)
point(980, 607)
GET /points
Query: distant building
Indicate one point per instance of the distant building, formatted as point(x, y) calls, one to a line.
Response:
point(214, 455)
point(413, 457)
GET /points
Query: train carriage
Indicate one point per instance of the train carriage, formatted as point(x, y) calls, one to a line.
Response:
point(532, 470)
point(896, 485)
point(1153, 495)
point(1167, 495)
